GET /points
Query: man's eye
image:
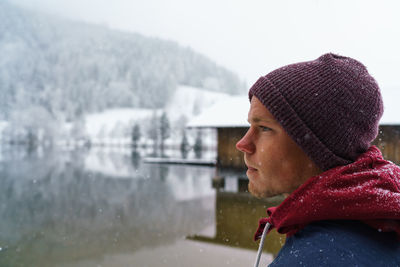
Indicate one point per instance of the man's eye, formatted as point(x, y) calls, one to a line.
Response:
point(265, 128)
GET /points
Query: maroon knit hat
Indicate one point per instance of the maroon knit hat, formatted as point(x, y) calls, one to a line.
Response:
point(330, 107)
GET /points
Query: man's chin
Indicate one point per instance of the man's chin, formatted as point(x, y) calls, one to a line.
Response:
point(256, 192)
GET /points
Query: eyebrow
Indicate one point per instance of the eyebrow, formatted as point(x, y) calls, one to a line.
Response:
point(257, 120)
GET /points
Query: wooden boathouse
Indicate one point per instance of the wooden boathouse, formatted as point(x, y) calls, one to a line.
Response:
point(229, 118)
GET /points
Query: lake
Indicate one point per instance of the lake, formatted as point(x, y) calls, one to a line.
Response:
point(106, 207)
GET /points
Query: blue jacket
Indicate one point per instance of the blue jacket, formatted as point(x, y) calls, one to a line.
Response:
point(339, 243)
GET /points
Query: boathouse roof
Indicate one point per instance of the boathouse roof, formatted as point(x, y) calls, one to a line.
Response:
point(227, 113)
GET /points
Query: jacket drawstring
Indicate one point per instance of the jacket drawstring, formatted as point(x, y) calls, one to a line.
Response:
point(261, 245)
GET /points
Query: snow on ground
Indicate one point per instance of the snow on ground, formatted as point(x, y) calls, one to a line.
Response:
point(229, 112)
point(114, 126)
point(108, 120)
point(191, 101)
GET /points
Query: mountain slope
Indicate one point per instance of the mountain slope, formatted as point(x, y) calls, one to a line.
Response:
point(73, 68)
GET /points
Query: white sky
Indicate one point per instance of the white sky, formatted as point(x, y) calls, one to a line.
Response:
point(254, 37)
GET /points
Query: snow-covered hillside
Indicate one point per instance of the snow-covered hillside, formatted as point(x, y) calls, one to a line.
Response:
point(190, 101)
point(114, 126)
point(112, 122)
point(69, 68)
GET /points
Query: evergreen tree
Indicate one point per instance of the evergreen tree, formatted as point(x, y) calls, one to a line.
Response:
point(135, 135)
point(165, 130)
point(184, 144)
point(153, 132)
point(198, 144)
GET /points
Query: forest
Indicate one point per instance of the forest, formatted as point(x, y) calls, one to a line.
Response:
point(54, 71)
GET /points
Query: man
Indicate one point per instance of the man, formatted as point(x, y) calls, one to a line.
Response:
point(311, 128)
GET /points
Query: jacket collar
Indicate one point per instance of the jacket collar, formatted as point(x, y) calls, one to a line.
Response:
point(367, 190)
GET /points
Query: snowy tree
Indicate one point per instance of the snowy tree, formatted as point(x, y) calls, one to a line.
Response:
point(184, 144)
point(135, 135)
point(153, 131)
point(165, 130)
point(198, 144)
point(34, 125)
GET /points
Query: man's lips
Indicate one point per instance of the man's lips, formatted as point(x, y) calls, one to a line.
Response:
point(251, 168)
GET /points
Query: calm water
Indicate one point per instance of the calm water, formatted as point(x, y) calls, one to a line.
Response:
point(109, 208)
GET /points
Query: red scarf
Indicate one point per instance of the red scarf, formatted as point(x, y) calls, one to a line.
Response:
point(367, 190)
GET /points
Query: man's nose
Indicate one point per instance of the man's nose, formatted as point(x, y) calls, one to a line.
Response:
point(246, 144)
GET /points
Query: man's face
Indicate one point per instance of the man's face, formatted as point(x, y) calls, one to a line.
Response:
point(275, 163)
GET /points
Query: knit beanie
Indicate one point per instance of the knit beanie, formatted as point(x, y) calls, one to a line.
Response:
point(330, 107)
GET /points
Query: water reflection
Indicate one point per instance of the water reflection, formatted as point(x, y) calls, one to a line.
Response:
point(72, 208)
point(235, 222)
